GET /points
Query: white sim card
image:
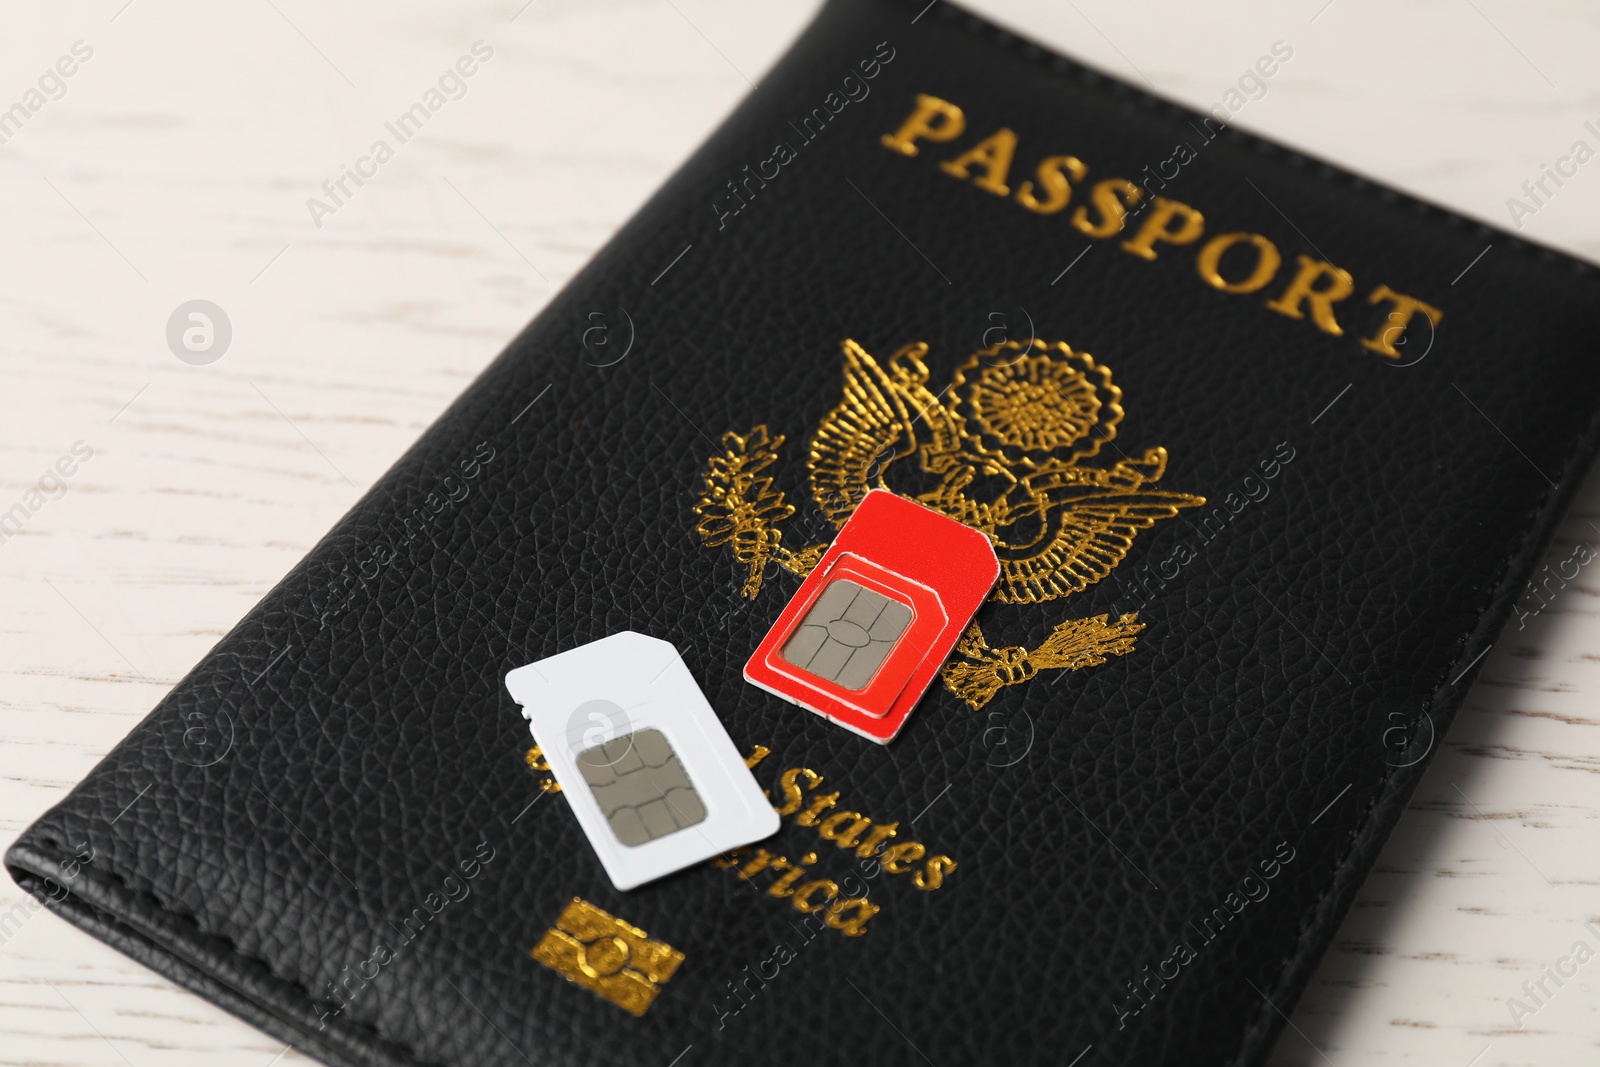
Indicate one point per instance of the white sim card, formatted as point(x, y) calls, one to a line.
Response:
point(652, 776)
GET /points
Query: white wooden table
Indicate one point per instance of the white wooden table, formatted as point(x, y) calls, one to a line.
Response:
point(176, 165)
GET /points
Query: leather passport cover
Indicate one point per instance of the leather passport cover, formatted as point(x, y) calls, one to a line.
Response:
point(1265, 472)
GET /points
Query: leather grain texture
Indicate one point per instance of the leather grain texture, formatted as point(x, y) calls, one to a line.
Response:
point(347, 754)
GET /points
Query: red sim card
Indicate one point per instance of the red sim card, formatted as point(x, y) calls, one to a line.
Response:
point(871, 625)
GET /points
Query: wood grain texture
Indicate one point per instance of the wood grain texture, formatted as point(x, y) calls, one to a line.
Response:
point(177, 165)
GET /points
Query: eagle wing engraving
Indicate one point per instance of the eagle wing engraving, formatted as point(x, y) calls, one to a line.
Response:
point(873, 425)
point(1007, 448)
point(1083, 544)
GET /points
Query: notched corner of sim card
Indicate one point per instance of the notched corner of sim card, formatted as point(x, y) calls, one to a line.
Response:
point(521, 683)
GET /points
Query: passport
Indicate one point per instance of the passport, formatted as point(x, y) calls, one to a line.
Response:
point(1263, 471)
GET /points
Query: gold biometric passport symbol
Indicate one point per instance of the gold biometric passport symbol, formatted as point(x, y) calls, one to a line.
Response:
point(1002, 448)
point(611, 958)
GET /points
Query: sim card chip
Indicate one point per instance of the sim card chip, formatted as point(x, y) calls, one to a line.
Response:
point(879, 613)
point(642, 787)
point(644, 763)
point(848, 633)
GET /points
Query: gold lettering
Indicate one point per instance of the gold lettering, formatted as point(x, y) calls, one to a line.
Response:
point(880, 833)
point(1111, 198)
point(535, 760)
point(1209, 262)
point(789, 786)
point(1397, 321)
point(1302, 291)
point(830, 828)
point(1163, 211)
point(1103, 209)
point(803, 895)
point(897, 859)
point(854, 926)
point(756, 865)
point(993, 154)
point(814, 810)
point(931, 876)
point(1052, 172)
point(730, 858)
point(921, 125)
point(781, 888)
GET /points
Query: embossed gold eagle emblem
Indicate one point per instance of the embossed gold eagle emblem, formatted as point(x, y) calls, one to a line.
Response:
point(1004, 448)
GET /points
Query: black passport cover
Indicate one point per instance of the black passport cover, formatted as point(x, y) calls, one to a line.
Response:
point(330, 827)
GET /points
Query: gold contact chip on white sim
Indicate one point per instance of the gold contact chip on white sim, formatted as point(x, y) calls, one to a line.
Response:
point(649, 771)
